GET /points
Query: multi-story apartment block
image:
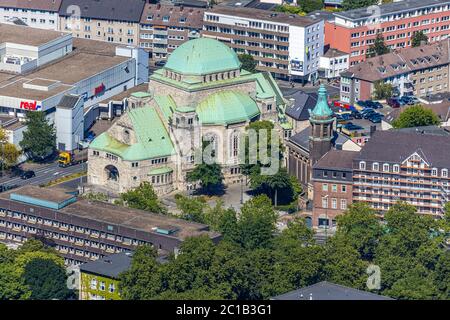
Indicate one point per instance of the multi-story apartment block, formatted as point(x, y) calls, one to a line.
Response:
point(393, 166)
point(354, 31)
point(164, 28)
point(287, 45)
point(419, 71)
point(104, 20)
point(83, 230)
point(41, 14)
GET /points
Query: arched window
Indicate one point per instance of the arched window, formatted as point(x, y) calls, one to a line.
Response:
point(375, 166)
point(362, 165)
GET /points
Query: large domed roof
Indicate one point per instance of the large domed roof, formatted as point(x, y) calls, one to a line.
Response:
point(202, 56)
point(227, 107)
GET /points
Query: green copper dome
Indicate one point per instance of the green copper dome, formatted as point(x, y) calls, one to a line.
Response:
point(321, 110)
point(227, 107)
point(202, 56)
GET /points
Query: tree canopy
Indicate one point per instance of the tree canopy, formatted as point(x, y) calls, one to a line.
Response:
point(248, 62)
point(34, 271)
point(143, 197)
point(382, 90)
point(378, 48)
point(416, 116)
point(39, 139)
point(418, 38)
point(356, 4)
point(210, 177)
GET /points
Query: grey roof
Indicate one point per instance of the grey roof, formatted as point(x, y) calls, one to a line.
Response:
point(109, 266)
point(302, 138)
point(391, 8)
point(336, 159)
point(303, 102)
point(68, 101)
point(426, 130)
point(322, 14)
point(106, 9)
point(329, 291)
point(395, 146)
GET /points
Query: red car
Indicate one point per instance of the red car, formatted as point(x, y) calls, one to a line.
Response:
point(393, 102)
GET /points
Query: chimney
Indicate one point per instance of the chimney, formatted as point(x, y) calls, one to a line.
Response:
point(158, 6)
point(372, 130)
point(181, 8)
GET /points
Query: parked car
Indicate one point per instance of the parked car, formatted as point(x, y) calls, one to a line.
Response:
point(4, 188)
point(375, 119)
point(351, 126)
point(356, 115)
point(27, 175)
point(361, 103)
point(393, 102)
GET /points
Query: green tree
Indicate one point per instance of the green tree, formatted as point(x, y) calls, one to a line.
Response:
point(378, 48)
point(417, 39)
point(39, 139)
point(12, 286)
point(210, 177)
point(356, 4)
point(46, 280)
point(143, 280)
point(382, 90)
point(192, 209)
point(360, 226)
point(248, 62)
point(191, 269)
point(416, 116)
point(256, 223)
point(9, 152)
point(311, 5)
point(342, 263)
point(143, 198)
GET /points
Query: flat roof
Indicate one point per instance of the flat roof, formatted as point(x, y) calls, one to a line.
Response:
point(269, 16)
point(56, 195)
point(390, 8)
point(87, 59)
point(133, 218)
point(112, 214)
point(28, 36)
point(110, 266)
point(127, 93)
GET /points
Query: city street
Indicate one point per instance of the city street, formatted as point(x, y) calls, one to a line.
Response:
point(44, 174)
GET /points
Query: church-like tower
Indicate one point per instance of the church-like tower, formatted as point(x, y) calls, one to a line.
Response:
point(321, 119)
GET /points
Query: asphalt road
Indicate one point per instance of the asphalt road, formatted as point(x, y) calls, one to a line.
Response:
point(44, 174)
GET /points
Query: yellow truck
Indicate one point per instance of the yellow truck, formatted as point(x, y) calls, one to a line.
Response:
point(67, 159)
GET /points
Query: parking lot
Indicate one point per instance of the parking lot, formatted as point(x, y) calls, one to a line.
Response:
point(365, 124)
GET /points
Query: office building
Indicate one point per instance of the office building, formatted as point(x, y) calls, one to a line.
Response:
point(287, 45)
point(354, 31)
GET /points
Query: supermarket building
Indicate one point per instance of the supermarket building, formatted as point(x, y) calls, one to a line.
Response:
point(39, 67)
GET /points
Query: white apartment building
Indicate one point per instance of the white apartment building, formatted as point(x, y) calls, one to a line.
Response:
point(42, 14)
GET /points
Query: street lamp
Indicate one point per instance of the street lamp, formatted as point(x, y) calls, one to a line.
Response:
point(242, 190)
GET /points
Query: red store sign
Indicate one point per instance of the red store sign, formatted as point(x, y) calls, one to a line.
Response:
point(99, 89)
point(29, 105)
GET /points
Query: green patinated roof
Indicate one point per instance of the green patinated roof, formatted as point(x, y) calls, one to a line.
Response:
point(140, 94)
point(153, 139)
point(227, 107)
point(186, 109)
point(202, 56)
point(166, 104)
point(322, 109)
point(161, 170)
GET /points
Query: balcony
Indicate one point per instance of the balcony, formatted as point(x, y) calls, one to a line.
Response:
point(160, 40)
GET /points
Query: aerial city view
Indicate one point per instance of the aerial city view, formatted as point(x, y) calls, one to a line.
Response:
point(248, 151)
